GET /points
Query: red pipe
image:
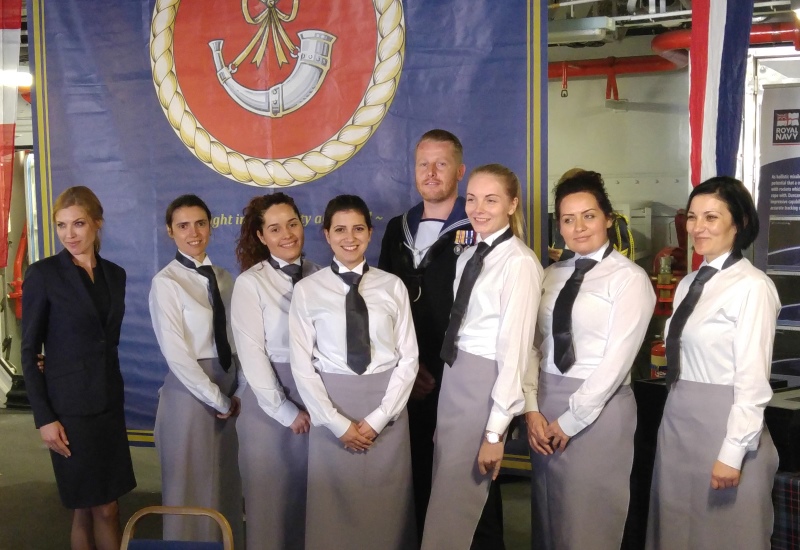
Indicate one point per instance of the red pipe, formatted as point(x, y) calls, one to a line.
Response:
point(16, 284)
point(617, 65)
point(671, 48)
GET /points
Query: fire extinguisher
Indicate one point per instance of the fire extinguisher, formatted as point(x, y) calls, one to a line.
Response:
point(658, 360)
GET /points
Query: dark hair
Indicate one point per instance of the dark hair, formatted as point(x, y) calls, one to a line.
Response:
point(511, 185)
point(85, 198)
point(249, 249)
point(740, 204)
point(444, 136)
point(182, 202)
point(344, 203)
point(584, 181)
point(569, 173)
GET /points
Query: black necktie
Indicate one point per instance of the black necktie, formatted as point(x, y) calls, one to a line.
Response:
point(217, 306)
point(357, 320)
point(563, 344)
point(468, 277)
point(681, 315)
point(294, 271)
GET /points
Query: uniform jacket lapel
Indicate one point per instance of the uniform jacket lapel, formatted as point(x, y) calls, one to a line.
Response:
point(116, 291)
point(69, 272)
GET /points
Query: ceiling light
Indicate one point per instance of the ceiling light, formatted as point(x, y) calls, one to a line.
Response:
point(15, 78)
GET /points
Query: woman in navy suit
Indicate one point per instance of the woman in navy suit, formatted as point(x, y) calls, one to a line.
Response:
point(73, 305)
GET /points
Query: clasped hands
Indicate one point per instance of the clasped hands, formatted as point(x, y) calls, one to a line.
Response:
point(358, 437)
point(543, 437)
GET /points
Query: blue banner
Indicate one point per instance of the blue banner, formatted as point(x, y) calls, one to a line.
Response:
point(778, 245)
point(143, 101)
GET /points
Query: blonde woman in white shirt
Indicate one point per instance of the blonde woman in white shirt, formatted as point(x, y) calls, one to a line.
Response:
point(487, 351)
point(354, 358)
point(715, 462)
point(195, 430)
point(273, 423)
point(580, 410)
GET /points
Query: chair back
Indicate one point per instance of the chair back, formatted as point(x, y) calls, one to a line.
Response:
point(129, 543)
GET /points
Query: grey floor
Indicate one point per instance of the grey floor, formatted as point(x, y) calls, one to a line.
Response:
point(32, 518)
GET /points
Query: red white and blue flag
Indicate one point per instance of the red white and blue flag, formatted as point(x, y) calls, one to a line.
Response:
point(10, 22)
point(718, 57)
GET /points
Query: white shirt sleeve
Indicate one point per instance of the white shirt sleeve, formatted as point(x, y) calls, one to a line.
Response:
point(630, 315)
point(404, 374)
point(519, 302)
point(247, 323)
point(166, 313)
point(530, 382)
point(302, 340)
point(752, 356)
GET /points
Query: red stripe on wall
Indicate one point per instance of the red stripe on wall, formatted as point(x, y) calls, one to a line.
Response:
point(6, 173)
point(698, 59)
point(10, 14)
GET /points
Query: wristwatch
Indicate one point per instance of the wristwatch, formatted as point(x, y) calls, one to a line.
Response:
point(492, 437)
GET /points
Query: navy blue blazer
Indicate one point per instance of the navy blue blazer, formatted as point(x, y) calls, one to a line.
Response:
point(82, 375)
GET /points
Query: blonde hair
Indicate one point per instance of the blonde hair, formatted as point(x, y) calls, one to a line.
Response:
point(85, 198)
point(512, 187)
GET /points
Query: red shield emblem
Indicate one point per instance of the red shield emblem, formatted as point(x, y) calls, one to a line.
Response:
point(276, 91)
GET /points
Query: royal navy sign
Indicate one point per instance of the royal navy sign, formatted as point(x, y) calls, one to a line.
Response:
point(786, 127)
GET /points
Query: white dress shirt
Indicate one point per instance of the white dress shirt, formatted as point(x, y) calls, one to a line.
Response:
point(500, 320)
point(609, 321)
point(318, 342)
point(728, 340)
point(427, 234)
point(183, 321)
point(260, 323)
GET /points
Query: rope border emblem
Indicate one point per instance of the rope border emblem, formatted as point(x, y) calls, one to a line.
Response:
point(298, 169)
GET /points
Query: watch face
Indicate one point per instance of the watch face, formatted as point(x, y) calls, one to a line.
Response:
point(492, 438)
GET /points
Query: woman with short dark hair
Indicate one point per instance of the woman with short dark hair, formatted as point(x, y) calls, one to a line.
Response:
point(354, 358)
point(195, 430)
point(272, 427)
point(580, 410)
point(715, 461)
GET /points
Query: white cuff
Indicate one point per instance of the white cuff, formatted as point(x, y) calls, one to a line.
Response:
point(286, 413)
point(732, 455)
point(569, 424)
point(498, 422)
point(339, 424)
point(377, 420)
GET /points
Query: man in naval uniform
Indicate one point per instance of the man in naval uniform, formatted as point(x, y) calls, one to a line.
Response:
point(421, 247)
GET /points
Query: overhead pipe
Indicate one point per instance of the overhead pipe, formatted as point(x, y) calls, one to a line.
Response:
point(672, 49)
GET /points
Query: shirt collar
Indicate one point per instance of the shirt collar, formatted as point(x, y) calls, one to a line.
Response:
point(283, 263)
point(206, 260)
point(491, 238)
point(597, 255)
point(717, 262)
point(359, 269)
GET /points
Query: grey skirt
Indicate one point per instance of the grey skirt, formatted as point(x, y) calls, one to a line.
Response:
point(580, 497)
point(685, 512)
point(198, 454)
point(274, 466)
point(459, 490)
point(360, 499)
